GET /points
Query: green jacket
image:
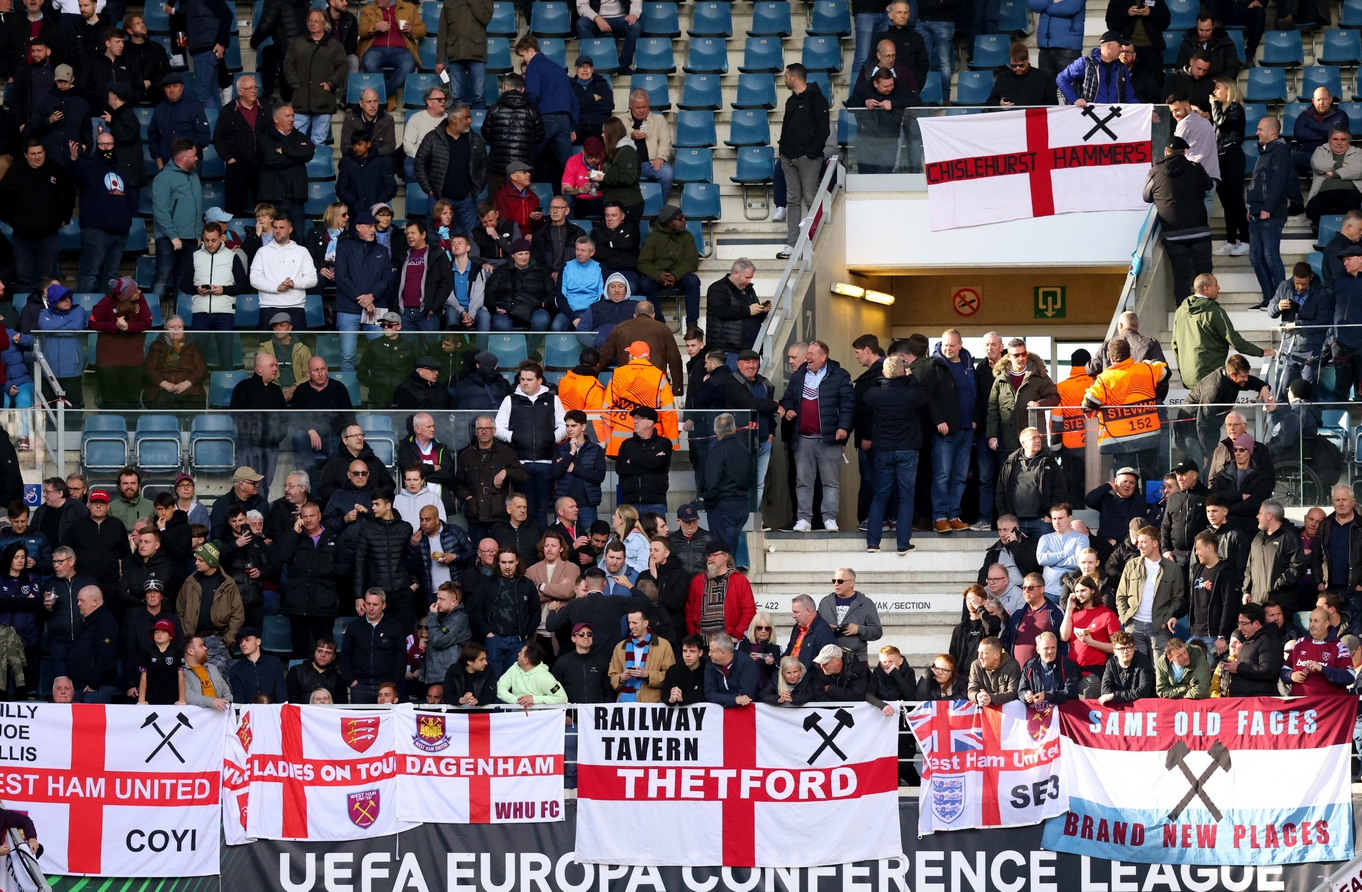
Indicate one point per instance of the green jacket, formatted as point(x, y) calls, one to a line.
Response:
point(307, 65)
point(1196, 680)
point(620, 180)
point(129, 512)
point(538, 683)
point(1008, 415)
point(462, 35)
point(384, 365)
point(1202, 337)
point(1168, 592)
point(177, 203)
point(668, 251)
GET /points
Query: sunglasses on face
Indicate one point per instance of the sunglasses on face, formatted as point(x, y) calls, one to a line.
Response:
point(763, 628)
point(1018, 355)
point(359, 473)
point(838, 581)
point(388, 325)
point(1017, 66)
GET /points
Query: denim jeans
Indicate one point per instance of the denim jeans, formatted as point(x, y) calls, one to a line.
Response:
point(689, 285)
point(663, 176)
point(1265, 243)
point(502, 651)
point(938, 37)
point(895, 470)
point(586, 29)
point(538, 490)
point(1149, 638)
point(465, 213)
point(415, 320)
point(987, 462)
point(558, 134)
point(349, 327)
point(950, 466)
point(867, 24)
point(763, 462)
point(1033, 527)
point(206, 79)
point(726, 522)
point(315, 126)
point(398, 59)
point(470, 74)
point(33, 259)
point(100, 254)
point(169, 263)
point(539, 321)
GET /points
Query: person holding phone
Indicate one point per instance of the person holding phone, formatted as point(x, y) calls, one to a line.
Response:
point(733, 312)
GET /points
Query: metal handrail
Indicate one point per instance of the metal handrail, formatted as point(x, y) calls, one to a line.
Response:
point(56, 419)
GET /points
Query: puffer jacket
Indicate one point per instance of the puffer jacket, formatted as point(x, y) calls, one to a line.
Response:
point(432, 162)
point(381, 556)
point(307, 65)
point(729, 324)
point(314, 571)
point(1313, 308)
point(1260, 666)
point(1060, 26)
point(1007, 413)
point(512, 128)
point(1269, 188)
point(64, 352)
point(1092, 79)
point(836, 399)
point(520, 291)
point(236, 557)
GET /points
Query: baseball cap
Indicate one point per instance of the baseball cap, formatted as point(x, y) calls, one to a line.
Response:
point(486, 360)
point(153, 585)
point(248, 632)
point(246, 474)
point(390, 316)
point(647, 412)
point(182, 477)
point(584, 60)
point(216, 215)
point(1178, 144)
point(64, 73)
point(577, 628)
point(687, 512)
point(99, 495)
point(1184, 466)
point(1113, 37)
point(828, 653)
point(365, 218)
point(640, 350)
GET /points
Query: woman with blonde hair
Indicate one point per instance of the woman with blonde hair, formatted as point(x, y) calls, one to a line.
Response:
point(320, 697)
point(794, 686)
point(1227, 114)
point(760, 645)
point(624, 524)
point(322, 242)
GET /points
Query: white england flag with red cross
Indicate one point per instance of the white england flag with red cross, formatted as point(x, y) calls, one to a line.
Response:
point(1035, 162)
point(117, 790)
point(322, 774)
point(479, 767)
point(236, 777)
point(753, 786)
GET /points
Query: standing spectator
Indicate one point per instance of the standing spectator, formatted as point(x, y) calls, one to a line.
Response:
point(1211, 39)
point(281, 273)
point(720, 598)
point(1100, 75)
point(936, 24)
point(579, 467)
point(657, 335)
point(176, 371)
point(894, 404)
point(316, 565)
point(388, 32)
point(38, 198)
point(1309, 304)
point(416, 125)
point(214, 275)
point(733, 311)
point(531, 420)
point(1268, 195)
point(851, 615)
point(803, 134)
point(669, 259)
point(728, 483)
point(283, 156)
point(209, 23)
point(101, 542)
point(369, 118)
point(363, 276)
point(1227, 113)
point(65, 353)
point(643, 463)
point(373, 649)
point(93, 662)
point(640, 662)
point(585, 673)
point(178, 117)
point(1119, 503)
point(105, 213)
point(622, 170)
point(977, 624)
point(910, 50)
point(516, 201)
point(23, 26)
point(1336, 559)
point(820, 396)
point(425, 290)
point(209, 605)
point(987, 458)
point(317, 71)
point(1256, 672)
point(506, 614)
point(236, 139)
point(386, 362)
point(1185, 514)
point(548, 87)
point(1059, 33)
point(451, 165)
point(1212, 596)
point(449, 632)
point(690, 540)
point(1057, 551)
point(1203, 333)
point(951, 382)
point(281, 22)
point(1149, 596)
point(365, 178)
point(1177, 187)
point(60, 115)
point(1020, 384)
point(177, 212)
point(513, 128)
point(344, 27)
point(461, 48)
point(380, 556)
point(259, 431)
point(1275, 559)
point(1030, 481)
point(484, 469)
point(121, 318)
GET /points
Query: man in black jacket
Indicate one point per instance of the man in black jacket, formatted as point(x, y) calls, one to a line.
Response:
point(949, 378)
point(1215, 42)
point(519, 532)
point(106, 67)
point(283, 154)
point(93, 664)
point(1177, 188)
point(910, 48)
point(259, 431)
point(1020, 83)
point(17, 38)
point(101, 542)
point(837, 677)
point(512, 128)
point(879, 104)
point(236, 139)
point(374, 650)
point(316, 567)
point(643, 465)
point(894, 404)
point(617, 243)
point(147, 60)
point(335, 473)
point(728, 483)
point(1030, 482)
point(324, 405)
point(583, 672)
point(555, 242)
point(36, 199)
point(733, 311)
point(520, 294)
point(319, 672)
point(1257, 670)
point(803, 134)
point(1185, 515)
point(1213, 396)
point(283, 20)
point(138, 626)
point(209, 23)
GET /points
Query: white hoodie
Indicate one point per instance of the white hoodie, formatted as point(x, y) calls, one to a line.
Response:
point(273, 264)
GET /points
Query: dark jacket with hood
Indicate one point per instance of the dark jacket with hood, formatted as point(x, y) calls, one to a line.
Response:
point(481, 390)
point(512, 128)
point(1224, 56)
point(894, 405)
point(1177, 188)
point(364, 182)
point(1268, 189)
point(1260, 666)
point(804, 131)
point(949, 404)
point(418, 394)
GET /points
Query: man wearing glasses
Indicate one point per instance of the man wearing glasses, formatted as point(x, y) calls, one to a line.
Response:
point(234, 138)
point(59, 597)
point(1021, 385)
point(335, 473)
point(1020, 84)
point(416, 125)
point(348, 505)
point(1038, 614)
point(485, 471)
point(1015, 552)
point(1130, 673)
point(853, 616)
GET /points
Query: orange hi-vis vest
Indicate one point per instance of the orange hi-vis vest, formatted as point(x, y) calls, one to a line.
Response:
point(1125, 397)
point(583, 392)
point(637, 383)
point(1071, 392)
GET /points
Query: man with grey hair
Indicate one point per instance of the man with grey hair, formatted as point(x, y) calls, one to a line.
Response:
point(284, 511)
point(811, 632)
point(235, 137)
point(284, 183)
point(415, 126)
point(1275, 560)
point(1336, 555)
point(374, 649)
point(1142, 347)
point(728, 473)
point(59, 599)
point(819, 399)
point(456, 140)
point(645, 125)
point(729, 681)
point(733, 312)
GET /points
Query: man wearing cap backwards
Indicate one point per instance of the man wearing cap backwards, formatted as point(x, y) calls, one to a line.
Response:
point(386, 361)
point(257, 672)
point(364, 283)
point(259, 431)
point(720, 598)
point(140, 621)
point(638, 384)
point(1099, 76)
point(669, 259)
point(520, 294)
point(101, 542)
point(281, 273)
point(1177, 187)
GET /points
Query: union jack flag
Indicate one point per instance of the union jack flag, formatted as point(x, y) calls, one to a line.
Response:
point(947, 726)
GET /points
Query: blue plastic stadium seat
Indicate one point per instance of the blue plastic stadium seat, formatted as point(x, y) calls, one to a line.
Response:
point(503, 19)
point(561, 351)
point(1329, 227)
point(749, 127)
point(544, 192)
point(425, 54)
point(1282, 48)
point(755, 91)
point(184, 306)
point(763, 54)
point(1290, 113)
point(931, 91)
point(1316, 261)
point(990, 51)
point(1253, 113)
point(312, 311)
point(144, 119)
point(157, 19)
point(221, 384)
point(695, 129)
point(973, 87)
point(555, 50)
point(137, 239)
point(231, 58)
point(603, 52)
point(551, 19)
point(824, 83)
point(509, 349)
point(755, 164)
point(654, 54)
point(247, 311)
point(1354, 112)
point(707, 55)
point(277, 635)
point(156, 444)
point(700, 201)
point(418, 203)
point(1012, 16)
point(212, 442)
point(711, 19)
point(1266, 85)
point(1352, 14)
point(430, 15)
point(1237, 38)
point(374, 423)
point(702, 91)
point(652, 198)
point(1182, 14)
point(351, 382)
point(1343, 47)
point(321, 167)
point(87, 301)
point(1317, 76)
point(846, 127)
point(498, 55)
point(69, 235)
point(479, 115)
point(1172, 44)
point(697, 232)
point(830, 17)
point(660, 19)
point(145, 272)
point(319, 195)
point(822, 53)
point(692, 165)
point(1251, 153)
point(771, 18)
point(104, 443)
point(361, 81)
point(414, 90)
point(655, 85)
point(214, 193)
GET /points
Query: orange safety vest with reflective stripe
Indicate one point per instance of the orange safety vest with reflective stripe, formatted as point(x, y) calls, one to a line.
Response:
point(1071, 392)
point(637, 383)
point(586, 393)
point(1125, 397)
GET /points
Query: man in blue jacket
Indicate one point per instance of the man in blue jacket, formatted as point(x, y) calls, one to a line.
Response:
point(1267, 203)
point(1099, 77)
point(822, 403)
point(105, 213)
point(364, 282)
point(551, 91)
point(728, 681)
point(179, 117)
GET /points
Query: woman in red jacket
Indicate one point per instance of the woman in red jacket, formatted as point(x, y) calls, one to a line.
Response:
point(121, 318)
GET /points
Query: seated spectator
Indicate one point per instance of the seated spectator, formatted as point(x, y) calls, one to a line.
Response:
point(761, 646)
point(893, 679)
point(369, 118)
point(1319, 663)
point(977, 625)
point(1213, 40)
point(494, 237)
point(1182, 672)
point(256, 673)
point(1036, 615)
point(994, 678)
point(320, 673)
point(1014, 550)
point(388, 32)
point(616, 306)
point(811, 633)
point(364, 177)
point(1337, 170)
point(176, 370)
point(639, 664)
point(669, 260)
point(729, 681)
point(879, 104)
point(1049, 676)
point(999, 586)
point(469, 682)
point(1314, 126)
point(386, 362)
point(580, 281)
point(517, 202)
point(940, 681)
point(582, 175)
point(1245, 484)
point(1257, 670)
point(684, 683)
point(527, 681)
point(793, 685)
point(1129, 674)
point(617, 244)
point(610, 18)
point(520, 295)
point(1057, 552)
point(1020, 83)
point(425, 289)
point(557, 239)
point(203, 682)
point(415, 126)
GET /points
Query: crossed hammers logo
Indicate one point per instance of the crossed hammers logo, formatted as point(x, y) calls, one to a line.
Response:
point(1101, 123)
point(812, 722)
point(181, 722)
point(1177, 756)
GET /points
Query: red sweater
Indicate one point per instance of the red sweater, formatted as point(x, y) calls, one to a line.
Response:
point(115, 348)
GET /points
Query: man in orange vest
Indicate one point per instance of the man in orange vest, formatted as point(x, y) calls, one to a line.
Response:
point(637, 383)
point(1069, 425)
point(1126, 398)
point(581, 389)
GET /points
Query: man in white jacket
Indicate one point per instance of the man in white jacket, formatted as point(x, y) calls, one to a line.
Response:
point(281, 273)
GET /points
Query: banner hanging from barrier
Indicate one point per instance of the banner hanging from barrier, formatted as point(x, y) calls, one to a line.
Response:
point(1251, 780)
point(748, 786)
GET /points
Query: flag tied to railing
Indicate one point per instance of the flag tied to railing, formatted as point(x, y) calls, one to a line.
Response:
point(1034, 162)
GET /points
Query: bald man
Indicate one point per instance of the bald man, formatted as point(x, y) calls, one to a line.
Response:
point(259, 430)
point(93, 664)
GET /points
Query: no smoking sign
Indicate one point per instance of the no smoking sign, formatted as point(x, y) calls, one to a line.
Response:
point(966, 301)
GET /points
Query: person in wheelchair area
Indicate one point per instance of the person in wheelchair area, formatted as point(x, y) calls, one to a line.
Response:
point(1293, 435)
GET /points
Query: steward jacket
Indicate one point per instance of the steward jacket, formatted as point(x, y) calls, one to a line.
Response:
point(1125, 397)
point(637, 383)
point(581, 389)
point(1072, 424)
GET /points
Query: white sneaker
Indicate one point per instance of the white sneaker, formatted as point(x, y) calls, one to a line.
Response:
point(981, 526)
point(1240, 249)
point(830, 526)
point(802, 526)
point(784, 253)
point(1225, 250)
point(778, 216)
point(872, 549)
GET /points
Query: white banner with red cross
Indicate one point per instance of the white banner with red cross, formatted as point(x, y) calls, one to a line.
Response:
point(752, 786)
point(1035, 162)
point(236, 777)
point(321, 774)
point(117, 790)
point(479, 767)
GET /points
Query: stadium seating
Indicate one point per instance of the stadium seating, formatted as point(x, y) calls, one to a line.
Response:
point(415, 87)
point(430, 15)
point(1342, 47)
point(654, 55)
point(973, 87)
point(711, 19)
point(990, 51)
point(247, 311)
point(1351, 16)
point(749, 127)
point(1317, 76)
point(551, 19)
point(1290, 113)
point(509, 349)
point(652, 199)
point(762, 54)
point(660, 19)
point(693, 165)
point(1253, 113)
point(695, 129)
point(1172, 42)
point(822, 53)
point(700, 201)
point(498, 55)
point(846, 127)
point(603, 52)
point(555, 50)
point(503, 19)
point(771, 18)
point(830, 18)
point(1282, 48)
point(156, 444)
point(702, 91)
point(1354, 112)
point(277, 635)
point(932, 93)
point(1182, 14)
point(755, 91)
point(361, 81)
point(707, 55)
point(656, 86)
point(319, 195)
point(322, 166)
point(425, 53)
point(561, 351)
point(1266, 85)
point(1012, 16)
point(104, 443)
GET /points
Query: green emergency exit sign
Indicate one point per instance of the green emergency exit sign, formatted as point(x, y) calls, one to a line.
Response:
point(1050, 302)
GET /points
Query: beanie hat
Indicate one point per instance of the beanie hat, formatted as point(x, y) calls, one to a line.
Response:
point(209, 553)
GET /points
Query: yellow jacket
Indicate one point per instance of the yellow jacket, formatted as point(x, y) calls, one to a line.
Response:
point(660, 659)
